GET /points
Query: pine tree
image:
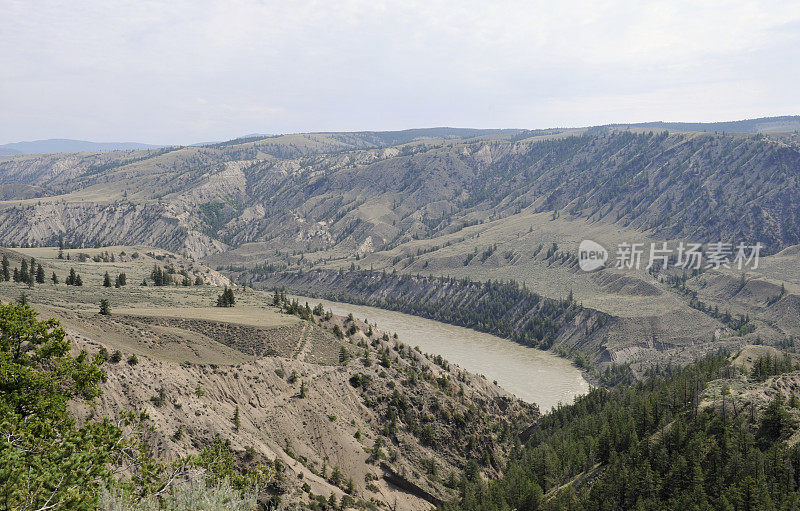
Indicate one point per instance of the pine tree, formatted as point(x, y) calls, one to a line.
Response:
point(157, 275)
point(106, 280)
point(78, 280)
point(23, 272)
point(39, 274)
point(54, 278)
point(105, 307)
point(226, 299)
point(236, 420)
point(32, 272)
point(71, 277)
point(6, 274)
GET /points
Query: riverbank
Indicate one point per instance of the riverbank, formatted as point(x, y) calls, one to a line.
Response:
point(533, 375)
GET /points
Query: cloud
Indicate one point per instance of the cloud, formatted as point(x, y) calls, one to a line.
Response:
point(134, 70)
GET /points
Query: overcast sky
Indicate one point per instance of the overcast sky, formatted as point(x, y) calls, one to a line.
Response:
point(189, 71)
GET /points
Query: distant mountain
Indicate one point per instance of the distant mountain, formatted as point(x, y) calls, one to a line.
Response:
point(63, 145)
point(785, 123)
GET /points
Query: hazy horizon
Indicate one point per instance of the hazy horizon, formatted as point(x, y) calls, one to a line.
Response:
point(246, 135)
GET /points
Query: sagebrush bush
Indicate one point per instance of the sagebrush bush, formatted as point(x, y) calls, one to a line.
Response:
point(191, 495)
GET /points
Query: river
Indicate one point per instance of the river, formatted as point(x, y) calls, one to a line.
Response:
point(535, 376)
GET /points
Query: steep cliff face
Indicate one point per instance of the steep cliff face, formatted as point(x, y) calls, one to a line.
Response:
point(89, 223)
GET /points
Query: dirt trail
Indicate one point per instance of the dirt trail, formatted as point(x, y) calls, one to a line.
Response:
point(303, 345)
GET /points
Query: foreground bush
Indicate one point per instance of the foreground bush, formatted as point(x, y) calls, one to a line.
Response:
point(200, 493)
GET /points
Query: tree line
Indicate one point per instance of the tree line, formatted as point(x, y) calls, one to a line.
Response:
point(504, 308)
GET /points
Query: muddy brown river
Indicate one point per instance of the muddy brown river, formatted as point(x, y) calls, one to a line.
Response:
point(532, 375)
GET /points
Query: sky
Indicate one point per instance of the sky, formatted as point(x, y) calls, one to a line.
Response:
point(181, 72)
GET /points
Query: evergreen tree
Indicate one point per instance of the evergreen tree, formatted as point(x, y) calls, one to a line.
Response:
point(158, 276)
point(236, 420)
point(23, 271)
point(105, 307)
point(78, 280)
point(107, 280)
point(6, 274)
point(71, 277)
point(54, 278)
point(226, 299)
point(48, 458)
point(39, 274)
point(775, 420)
